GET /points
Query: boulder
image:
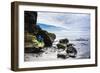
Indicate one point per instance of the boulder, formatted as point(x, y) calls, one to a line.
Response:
point(64, 41)
point(71, 50)
point(33, 31)
point(60, 46)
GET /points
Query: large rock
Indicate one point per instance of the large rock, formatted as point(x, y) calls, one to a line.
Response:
point(71, 50)
point(60, 46)
point(33, 31)
point(68, 49)
point(48, 37)
point(64, 41)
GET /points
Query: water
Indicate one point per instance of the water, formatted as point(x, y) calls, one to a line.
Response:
point(83, 48)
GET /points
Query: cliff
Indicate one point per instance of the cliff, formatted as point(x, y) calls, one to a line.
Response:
point(35, 37)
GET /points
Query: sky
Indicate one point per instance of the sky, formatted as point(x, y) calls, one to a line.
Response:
point(73, 24)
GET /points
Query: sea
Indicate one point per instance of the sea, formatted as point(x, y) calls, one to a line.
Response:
point(50, 53)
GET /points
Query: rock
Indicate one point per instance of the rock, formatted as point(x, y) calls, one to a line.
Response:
point(48, 37)
point(52, 36)
point(64, 41)
point(61, 56)
point(70, 44)
point(33, 32)
point(60, 46)
point(30, 21)
point(71, 51)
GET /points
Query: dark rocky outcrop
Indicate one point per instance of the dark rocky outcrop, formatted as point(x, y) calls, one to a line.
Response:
point(48, 37)
point(60, 46)
point(71, 50)
point(67, 47)
point(35, 37)
point(64, 41)
point(62, 56)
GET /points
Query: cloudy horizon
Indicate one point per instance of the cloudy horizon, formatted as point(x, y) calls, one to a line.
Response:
point(77, 24)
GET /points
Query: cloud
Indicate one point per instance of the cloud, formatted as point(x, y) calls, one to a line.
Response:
point(71, 21)
point(74, 24)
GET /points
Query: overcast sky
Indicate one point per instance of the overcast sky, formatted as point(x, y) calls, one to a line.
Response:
point(74, 23)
